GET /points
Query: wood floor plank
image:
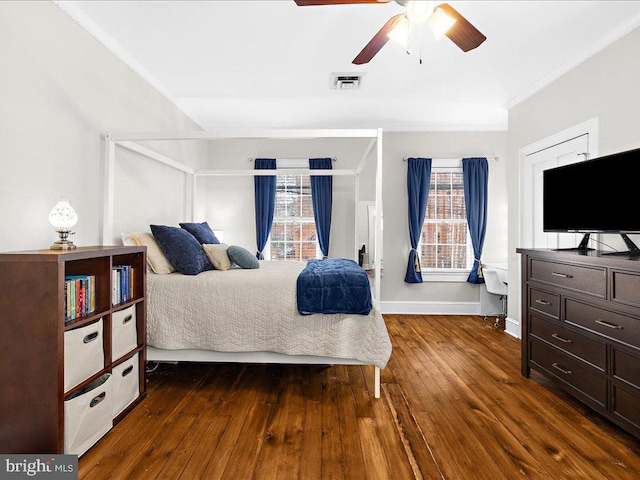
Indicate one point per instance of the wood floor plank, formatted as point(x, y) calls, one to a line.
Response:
point(414, 441)
point(281, 451)
point(242, 442)
point(311, 454)
point(332, 465)
point(454, 406)
point(354, 466)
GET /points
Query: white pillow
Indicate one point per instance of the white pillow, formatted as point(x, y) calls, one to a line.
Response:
point(128, 239)
point(155, 258)
point(217, 253)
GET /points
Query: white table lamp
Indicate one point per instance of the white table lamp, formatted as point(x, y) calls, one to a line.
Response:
point(63, 218)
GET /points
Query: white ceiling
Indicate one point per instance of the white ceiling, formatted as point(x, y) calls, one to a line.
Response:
point(267, 64)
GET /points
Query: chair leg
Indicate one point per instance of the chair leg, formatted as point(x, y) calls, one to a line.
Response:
point(503, 315)
point(500, 316)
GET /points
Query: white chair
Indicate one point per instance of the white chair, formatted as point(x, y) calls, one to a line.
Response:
point(497, 287)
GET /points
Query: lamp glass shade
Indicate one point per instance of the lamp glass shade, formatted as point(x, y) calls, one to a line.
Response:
point(440, 23)
point(400, 31)
point(63, 217)
point(418, 12)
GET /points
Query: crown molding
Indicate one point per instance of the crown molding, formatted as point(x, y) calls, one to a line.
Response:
point(71, 9)
point(613, 36)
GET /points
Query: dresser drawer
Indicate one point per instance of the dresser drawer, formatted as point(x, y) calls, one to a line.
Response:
point(625, 404)
point(588, 349)
point(614, 325)
point(625, 366)
point(590, 384)
point(591, 280)
point(544, 302)
point(625, 288)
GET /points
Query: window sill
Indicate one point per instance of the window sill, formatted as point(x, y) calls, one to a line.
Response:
point(445, 276)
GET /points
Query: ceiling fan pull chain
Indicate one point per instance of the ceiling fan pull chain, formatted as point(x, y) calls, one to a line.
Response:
point(420, 45)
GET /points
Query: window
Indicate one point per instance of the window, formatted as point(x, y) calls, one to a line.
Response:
point(445, 244)
point(293, 233)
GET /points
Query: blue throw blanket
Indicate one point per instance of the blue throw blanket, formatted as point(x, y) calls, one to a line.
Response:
point(333, 285)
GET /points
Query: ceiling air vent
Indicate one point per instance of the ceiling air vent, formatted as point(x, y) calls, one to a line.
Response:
point(346, 81)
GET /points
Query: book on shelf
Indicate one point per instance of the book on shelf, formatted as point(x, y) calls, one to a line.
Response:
point(79, 296)
point(122, 282)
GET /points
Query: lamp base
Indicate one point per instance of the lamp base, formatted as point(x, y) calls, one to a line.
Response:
point(62, 245)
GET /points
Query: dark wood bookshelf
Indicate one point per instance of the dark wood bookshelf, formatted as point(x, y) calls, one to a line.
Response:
point(32, 338)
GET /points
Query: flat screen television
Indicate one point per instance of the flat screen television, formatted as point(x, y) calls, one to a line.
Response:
point(600, 195)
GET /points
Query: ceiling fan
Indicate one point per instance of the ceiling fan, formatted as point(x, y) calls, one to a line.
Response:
point(443, 19)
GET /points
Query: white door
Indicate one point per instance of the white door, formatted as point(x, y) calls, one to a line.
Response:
point(564, 153)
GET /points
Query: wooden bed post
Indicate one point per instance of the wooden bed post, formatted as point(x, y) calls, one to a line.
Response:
point(376, 375)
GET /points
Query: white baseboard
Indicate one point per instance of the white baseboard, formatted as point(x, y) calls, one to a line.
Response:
point(512, 327)
point(431, 308)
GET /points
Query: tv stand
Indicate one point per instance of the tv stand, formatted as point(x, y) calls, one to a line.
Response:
point(633, 251)
point(582, 246)
point(581, 329)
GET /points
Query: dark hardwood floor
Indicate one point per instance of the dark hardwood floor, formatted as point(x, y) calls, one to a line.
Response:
point(453, 406)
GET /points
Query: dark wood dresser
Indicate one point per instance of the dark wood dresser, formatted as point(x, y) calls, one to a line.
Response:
point(581, 327)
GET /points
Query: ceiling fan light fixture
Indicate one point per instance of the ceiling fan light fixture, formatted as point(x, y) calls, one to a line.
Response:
point(400, 31)
point(419, 11)
point(440, 23)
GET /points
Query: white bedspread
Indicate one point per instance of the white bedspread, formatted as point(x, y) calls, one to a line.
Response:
point(255, 311)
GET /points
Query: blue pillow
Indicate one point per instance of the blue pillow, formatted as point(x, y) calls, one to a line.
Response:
point(182, 249)
point(242, 257)
point(202, 232)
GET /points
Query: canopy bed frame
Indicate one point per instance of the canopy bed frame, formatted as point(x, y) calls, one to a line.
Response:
point(129, 141)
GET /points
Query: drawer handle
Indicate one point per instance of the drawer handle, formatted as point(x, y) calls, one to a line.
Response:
point(127, 319)
point(558, 367)
point(127, 370)
point(563, 275)
point(91, 337)
point(610, 325)
point(543, 302)
point(97, 399)
point(558, 337)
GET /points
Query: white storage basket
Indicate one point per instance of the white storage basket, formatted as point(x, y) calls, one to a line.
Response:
point(88, 416)
point(126, 384)
point(83, 353)
point(124, 332)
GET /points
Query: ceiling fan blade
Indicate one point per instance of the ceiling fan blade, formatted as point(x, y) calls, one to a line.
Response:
point(308, 3)
point(462, 33)
point(377, 42)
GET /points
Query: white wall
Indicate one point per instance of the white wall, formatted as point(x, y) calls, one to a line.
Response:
point(607, 87)
point(228, 202)
point(438, 297)
point(60, 90)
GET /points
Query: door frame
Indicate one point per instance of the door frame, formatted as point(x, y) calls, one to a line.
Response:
point(590, 127)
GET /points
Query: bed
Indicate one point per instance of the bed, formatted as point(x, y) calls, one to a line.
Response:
point(250, 315)
point(254, 310)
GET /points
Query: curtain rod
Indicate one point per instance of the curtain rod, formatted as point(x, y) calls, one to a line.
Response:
point(292, 159)
point(456, 158)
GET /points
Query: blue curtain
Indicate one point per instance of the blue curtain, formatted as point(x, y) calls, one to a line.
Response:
point(476, 174)
point(418, 180)
point(265, 200)
point(322, 197)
